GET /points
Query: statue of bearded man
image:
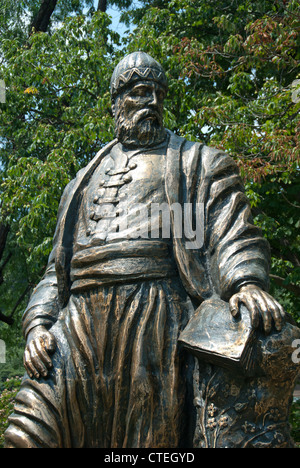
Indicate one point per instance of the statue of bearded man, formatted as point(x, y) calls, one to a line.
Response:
point(103, 360)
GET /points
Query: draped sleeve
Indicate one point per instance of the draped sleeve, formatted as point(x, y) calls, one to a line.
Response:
point(43, 307)
point(237, 252)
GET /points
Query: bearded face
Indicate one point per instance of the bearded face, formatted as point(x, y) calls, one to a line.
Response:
point(139, 115)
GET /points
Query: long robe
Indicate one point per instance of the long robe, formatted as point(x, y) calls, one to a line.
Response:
point(131, 385)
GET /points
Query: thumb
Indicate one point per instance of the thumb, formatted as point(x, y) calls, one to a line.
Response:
point(234, 306)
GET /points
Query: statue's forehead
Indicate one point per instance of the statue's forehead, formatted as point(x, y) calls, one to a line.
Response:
point(147, 83)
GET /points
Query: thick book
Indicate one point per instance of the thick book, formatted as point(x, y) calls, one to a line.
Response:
point(216, 337)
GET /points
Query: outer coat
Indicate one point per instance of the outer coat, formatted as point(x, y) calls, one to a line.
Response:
point(233, 252)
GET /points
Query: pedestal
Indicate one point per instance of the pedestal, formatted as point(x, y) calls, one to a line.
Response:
point(236, 410)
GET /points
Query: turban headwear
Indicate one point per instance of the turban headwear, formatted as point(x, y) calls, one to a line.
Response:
point(135, 67)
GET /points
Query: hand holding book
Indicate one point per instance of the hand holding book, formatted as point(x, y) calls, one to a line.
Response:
point(224, 333)
point(214, 336)
point(261, 305)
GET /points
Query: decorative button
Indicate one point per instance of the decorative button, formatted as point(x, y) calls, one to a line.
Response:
point(123, 170)
point(112, 200)
point(118, 183)
point(132, 165)
point(127, 178)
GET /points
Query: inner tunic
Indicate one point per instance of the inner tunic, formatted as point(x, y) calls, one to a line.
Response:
point(119, 231)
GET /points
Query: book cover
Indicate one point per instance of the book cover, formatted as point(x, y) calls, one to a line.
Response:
point(216, 337)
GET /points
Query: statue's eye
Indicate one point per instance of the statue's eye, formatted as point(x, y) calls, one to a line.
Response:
point(141, 91)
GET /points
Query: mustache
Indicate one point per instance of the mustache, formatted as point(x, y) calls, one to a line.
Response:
point(145, 114)
point(136, 117)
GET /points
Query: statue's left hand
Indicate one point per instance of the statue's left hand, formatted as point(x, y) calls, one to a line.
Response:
point(261, 306)
point(40, 344)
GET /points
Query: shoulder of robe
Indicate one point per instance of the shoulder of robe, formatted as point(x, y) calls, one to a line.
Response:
point(215, 162)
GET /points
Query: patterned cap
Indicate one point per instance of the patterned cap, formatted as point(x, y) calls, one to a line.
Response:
point(134, 67)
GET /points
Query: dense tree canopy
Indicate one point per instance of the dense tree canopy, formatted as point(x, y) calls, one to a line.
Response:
point(232, 69)
point(57, 115)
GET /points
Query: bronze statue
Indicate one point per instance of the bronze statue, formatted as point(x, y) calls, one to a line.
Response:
point(142, 337)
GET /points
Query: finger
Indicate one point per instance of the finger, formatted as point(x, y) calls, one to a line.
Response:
point(277, 313)
point(264, 310)
point(35, 359)
point(234, 306)
point(42, 353)
point(251, 305)
point(282, 312)
point(28, 364)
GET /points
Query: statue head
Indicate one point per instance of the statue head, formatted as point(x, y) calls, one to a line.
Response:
point(138, 88)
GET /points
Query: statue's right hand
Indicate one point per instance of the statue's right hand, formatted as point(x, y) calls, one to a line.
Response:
point(40, 343)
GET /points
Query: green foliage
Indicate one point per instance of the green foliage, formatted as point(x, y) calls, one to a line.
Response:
point(230, 68)
point(13, 367)
point(236, 64)
point(7, 397)
point(56, 117)
point(16, 17)
point(294, 421)
point(278, 218)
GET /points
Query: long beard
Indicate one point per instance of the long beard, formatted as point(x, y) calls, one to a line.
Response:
point(143, 132)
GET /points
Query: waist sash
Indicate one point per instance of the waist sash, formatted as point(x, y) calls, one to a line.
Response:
point(122, 261)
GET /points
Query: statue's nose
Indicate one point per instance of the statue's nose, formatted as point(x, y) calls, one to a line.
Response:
point(153, 98)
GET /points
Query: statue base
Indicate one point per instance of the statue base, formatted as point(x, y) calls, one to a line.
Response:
point(235, 410)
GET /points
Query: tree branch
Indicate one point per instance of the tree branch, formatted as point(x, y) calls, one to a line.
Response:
point(102, 5)
point(42, 19)
point(20, 300)
point(289, 287)
point(3, 266)
point(285, 254)
point(290, 203)
point(8, 320)
point(4, 230)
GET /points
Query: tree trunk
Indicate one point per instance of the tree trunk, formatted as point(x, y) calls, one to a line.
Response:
point(3, 237)
point(7, 320)
point(102, 5)
point(42, 19)
point(4, 230)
